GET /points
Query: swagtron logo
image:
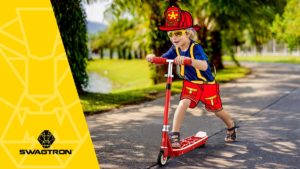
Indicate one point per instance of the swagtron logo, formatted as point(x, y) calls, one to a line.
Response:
point(46, 139)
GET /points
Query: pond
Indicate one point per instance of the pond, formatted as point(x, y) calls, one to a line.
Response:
point(98, 84)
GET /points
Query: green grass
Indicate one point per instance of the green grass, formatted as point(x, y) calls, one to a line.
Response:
point(94, 103)
point(231, 73)
point(139, 87)
point(270, 59)
point(124, 74)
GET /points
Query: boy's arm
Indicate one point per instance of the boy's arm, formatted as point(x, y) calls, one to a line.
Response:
point(201, 61)
point(200, 64)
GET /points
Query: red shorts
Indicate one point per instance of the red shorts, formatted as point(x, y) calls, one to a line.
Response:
point(208, 94)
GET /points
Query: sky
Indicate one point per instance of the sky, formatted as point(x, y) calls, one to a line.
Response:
point(95, 11)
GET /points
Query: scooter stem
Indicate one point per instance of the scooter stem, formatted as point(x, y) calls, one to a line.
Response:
point(165, 130)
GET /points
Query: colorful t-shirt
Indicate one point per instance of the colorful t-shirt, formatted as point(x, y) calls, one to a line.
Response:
point(190, 73)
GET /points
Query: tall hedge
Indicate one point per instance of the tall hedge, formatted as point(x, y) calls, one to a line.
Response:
point(71, 21)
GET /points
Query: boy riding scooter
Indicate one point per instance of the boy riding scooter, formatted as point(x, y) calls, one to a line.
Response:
point(199, 83)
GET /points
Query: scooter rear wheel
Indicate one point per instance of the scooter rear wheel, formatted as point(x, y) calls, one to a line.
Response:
point(202, 146)
point(161, 160)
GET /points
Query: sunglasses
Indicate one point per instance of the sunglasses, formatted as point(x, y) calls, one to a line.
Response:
point(176, 33)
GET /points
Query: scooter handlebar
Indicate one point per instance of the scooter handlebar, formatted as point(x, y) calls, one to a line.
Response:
point(187, 61)
point(160, 60)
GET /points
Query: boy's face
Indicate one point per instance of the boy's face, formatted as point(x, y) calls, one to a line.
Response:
point(178, 37)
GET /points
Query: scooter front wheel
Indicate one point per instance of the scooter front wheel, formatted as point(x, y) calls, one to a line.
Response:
point(161, 160)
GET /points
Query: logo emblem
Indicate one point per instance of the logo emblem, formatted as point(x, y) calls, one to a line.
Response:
point(46, 139)
point(172, 15)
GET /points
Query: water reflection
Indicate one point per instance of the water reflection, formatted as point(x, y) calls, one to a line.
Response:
point(98, 84)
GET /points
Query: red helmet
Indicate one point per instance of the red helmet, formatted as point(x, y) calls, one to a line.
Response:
point(176, 19)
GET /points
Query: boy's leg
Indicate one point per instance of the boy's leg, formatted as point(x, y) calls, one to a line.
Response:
point(226, 118)
point(212, 100)
point(231, 128)
point(179, 114)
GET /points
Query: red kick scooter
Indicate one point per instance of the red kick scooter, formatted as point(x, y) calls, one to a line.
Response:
point(187, 144)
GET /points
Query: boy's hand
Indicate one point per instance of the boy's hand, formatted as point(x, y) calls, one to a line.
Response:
point(150, 57)
point(179, 60)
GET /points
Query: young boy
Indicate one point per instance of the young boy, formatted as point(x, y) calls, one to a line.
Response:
point(199, 83)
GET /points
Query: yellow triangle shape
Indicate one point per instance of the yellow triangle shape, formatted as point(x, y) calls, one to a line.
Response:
point(12, 30)
point(37, 83)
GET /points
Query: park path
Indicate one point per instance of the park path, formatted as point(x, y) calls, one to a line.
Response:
point(265, 104)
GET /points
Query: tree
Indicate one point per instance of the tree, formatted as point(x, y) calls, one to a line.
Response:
point(226, 21)
point(98, 43)
point(72, 25)
point(286, 26)
point(124, 36)
point(231, 39)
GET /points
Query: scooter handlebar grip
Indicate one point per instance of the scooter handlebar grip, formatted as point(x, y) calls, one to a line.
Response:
point(187, 62)
point(159, 60)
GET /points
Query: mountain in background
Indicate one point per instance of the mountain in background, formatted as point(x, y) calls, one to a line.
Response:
point(94, 27)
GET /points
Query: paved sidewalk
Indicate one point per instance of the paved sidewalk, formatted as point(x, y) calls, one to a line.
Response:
point(266, 105)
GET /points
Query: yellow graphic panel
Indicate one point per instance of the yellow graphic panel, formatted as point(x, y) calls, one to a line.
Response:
point(42, 123)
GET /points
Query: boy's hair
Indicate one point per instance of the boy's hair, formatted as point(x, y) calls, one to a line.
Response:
point(193, 34)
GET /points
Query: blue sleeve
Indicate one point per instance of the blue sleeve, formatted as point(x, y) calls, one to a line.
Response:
point(170, 54)
point(199, 53)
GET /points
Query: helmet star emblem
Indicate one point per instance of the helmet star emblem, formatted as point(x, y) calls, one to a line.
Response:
point(173, 15)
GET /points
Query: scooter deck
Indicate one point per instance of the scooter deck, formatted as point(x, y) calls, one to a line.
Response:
point(188, 144)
